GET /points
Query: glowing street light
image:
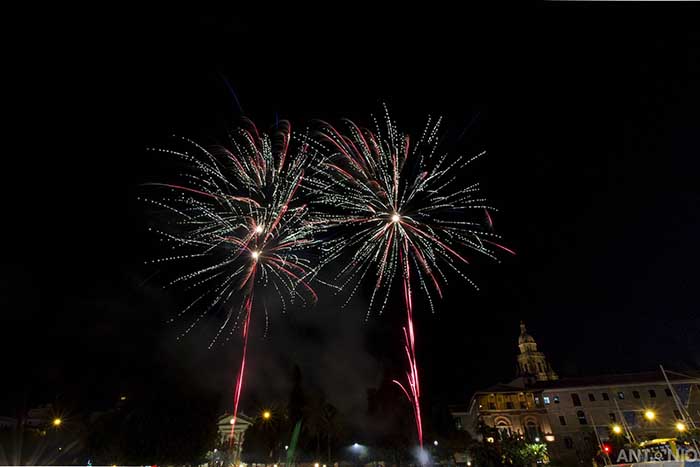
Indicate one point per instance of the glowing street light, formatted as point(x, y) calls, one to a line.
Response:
point(617, 429)
point(266, 415)
point(57, 422)
point(649, 415)
point(680, 426)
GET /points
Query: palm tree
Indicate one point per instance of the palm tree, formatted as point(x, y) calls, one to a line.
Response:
point(321, 420)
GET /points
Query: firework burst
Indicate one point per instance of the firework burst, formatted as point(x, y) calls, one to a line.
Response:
point(242, 229)
point(399, 210)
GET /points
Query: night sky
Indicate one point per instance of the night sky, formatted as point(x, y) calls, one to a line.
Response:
point(589, 115)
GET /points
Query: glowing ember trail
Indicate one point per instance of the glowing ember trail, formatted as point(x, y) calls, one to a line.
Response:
point(237, 216)
point(396, 207)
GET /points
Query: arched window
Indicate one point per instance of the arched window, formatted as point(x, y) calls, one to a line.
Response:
point(531, 430)
point(581, 417)
point(504, 428)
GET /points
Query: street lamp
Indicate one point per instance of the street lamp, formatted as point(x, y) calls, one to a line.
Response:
point(680, 426)
point(617, 429)
point(57, 422)
point(649, 415)
point(435, 442)
point(266, 415)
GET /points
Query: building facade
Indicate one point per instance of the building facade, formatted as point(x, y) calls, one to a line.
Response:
point(515, 408)
point(583, 410)
point(226, 428)
point(574, 415)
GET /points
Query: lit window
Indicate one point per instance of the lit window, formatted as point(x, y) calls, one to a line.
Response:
point(620, 395)
point(546, 399)
point(556, 399)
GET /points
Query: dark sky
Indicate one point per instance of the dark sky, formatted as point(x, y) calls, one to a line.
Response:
point(589, 114)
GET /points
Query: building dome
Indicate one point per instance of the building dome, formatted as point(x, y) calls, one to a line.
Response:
point(532, 364)
point(525, 338)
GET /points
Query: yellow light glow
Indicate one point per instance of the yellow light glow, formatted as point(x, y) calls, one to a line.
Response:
point(395, 218)
point(267, 415)
point(258, 229)
point(255, 254)
point(617, 429)
point(490, 439)
point(57, 422)
point(680, 426)
point(232, 421)
point(122, 398)
point(549, 438)
point(649, 415)
point(315, 464)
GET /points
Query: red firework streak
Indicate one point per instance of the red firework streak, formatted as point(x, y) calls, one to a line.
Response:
point(412, 373)
point(239, 381)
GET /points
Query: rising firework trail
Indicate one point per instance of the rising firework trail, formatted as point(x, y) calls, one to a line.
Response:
point(398, 208)
point(236, 215)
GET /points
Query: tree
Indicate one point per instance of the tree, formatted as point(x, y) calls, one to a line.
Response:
point(176, 426)
point(297, 398)
point(321, 421)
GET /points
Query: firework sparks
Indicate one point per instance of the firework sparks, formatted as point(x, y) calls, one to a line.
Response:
point(238, 217)
point(399, 209)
